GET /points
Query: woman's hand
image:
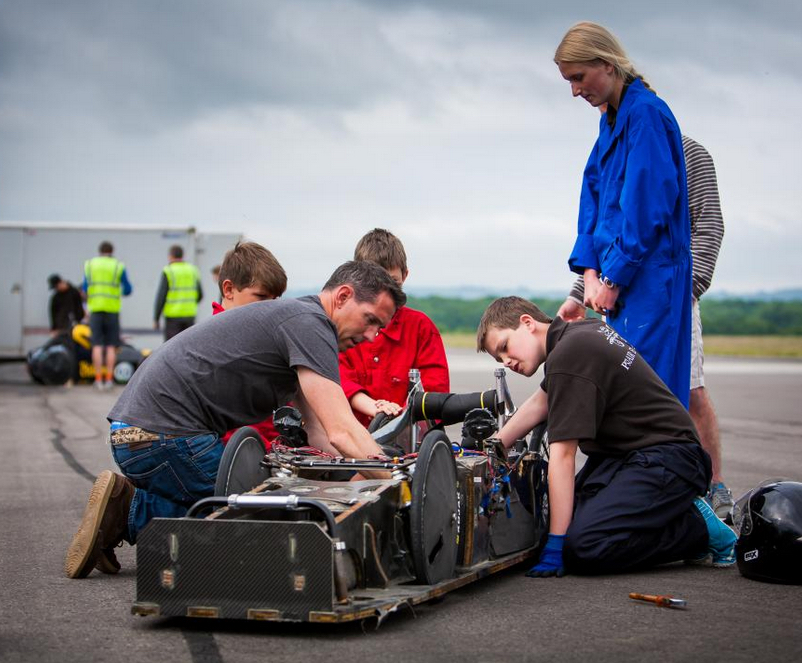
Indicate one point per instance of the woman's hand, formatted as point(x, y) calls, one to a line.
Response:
point(598, 296)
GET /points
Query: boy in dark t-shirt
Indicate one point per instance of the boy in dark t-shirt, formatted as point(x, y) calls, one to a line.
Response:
point(636, 501)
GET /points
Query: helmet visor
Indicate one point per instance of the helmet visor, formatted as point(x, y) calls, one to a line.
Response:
point(741, 511)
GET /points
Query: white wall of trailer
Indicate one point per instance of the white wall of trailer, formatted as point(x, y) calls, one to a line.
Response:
point(29, 253)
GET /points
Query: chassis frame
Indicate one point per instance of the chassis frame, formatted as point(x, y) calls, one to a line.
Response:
point(303, 546)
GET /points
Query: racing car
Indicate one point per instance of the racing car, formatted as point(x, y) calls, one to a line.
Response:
point(297, 535)
point(68, 356)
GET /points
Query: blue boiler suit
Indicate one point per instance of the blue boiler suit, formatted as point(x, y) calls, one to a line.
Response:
point(634, 228)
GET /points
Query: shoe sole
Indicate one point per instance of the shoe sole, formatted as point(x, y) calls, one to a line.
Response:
point(723, 564)
point(81, 555)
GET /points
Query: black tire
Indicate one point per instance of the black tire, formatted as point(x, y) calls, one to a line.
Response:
point(378, 421)
point(434, 512)
point(240, 469)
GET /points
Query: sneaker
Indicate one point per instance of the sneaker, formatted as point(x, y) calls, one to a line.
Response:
point(103, 526)
point(98, 385)
point(721, 539)
point(720, 499)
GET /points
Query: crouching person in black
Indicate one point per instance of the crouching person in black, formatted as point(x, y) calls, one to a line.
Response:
point(637, 500)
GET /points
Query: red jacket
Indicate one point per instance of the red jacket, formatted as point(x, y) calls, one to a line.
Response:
point(265, 428)
point(381, 368)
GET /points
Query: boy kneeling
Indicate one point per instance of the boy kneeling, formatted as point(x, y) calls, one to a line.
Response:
point(635, 503)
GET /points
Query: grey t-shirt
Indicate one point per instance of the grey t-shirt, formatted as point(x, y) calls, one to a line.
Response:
point(231, 370)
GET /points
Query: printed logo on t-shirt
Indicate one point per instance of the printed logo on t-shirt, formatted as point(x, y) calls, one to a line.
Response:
point(612, 336)
point(614, 339)
point(629, 358)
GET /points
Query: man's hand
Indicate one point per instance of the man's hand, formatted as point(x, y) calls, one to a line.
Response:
point(532, 411)
point(572, 310)
point(551, 559)
point(330, 422)
point(156, 325)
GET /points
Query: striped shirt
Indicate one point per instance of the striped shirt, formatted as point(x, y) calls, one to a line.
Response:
point(707, 224)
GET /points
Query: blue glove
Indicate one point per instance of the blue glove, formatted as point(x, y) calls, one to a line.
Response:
point(551, 559)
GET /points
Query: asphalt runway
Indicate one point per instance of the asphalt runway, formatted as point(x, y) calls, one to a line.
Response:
point(52, 441)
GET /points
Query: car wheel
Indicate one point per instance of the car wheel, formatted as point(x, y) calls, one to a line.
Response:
point(123, 371)
point(434, 512)
point(240, 469)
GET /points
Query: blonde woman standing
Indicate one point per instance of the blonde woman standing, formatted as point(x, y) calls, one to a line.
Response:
point(633, 240)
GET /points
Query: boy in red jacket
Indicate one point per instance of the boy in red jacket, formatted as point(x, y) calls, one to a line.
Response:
point(374, 375)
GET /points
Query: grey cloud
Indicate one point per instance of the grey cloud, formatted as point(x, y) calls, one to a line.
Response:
point(145, 63)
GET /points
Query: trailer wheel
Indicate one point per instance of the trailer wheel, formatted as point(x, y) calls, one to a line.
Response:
point(434, 512)
point(240, 469)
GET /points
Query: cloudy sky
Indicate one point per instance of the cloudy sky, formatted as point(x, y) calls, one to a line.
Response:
point(305, 123)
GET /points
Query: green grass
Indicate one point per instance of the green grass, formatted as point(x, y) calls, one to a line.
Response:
point(460, 340)
point(735, 346)
point(754, 346)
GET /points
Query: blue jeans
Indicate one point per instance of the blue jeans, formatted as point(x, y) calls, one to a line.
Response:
point(170, 475)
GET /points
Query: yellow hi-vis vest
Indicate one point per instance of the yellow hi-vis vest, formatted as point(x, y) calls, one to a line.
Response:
point(182, 290)
point(103, 290)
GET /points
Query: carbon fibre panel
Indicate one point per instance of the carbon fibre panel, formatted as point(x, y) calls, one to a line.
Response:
point(231, 567)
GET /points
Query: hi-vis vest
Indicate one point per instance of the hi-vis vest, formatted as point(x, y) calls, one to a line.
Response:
point(182, 290)
point(103, 290)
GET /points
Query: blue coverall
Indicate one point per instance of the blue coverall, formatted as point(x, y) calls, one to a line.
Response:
point(634, 228)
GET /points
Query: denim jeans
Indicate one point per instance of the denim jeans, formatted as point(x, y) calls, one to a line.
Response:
point(170, 475)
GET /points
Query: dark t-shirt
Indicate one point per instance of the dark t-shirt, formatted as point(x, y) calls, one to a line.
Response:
point(604, 394)
point(230, 370)
point(66, 308)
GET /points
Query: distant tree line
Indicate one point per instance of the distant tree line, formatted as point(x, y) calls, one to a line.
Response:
point(731, 317)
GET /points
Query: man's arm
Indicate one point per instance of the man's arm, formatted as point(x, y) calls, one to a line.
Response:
point(530, 414)
point(573, 308)
point(53, 312)
point(161, 298)
point(330, 420)
point(562, 459)
point(125, 283)
point(77, 305)
point(707, 224)
point(562, 456)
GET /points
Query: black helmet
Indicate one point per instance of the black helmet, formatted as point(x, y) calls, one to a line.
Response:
point(769, 518)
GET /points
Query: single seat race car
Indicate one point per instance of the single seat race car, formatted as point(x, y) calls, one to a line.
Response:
point(292, 536)
point(68, 356)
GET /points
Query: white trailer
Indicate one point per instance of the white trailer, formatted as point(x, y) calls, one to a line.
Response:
point(30, 252)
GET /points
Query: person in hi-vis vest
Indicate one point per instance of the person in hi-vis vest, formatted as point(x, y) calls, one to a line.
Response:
point(178, 295)
point(105, 283)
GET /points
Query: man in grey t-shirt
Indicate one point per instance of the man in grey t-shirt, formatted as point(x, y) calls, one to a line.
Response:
point(229, 371)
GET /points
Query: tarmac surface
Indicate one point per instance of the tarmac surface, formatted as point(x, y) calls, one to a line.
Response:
point(52, 441)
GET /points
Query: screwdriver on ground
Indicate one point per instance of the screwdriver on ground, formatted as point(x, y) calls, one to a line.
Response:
point(662, 601)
